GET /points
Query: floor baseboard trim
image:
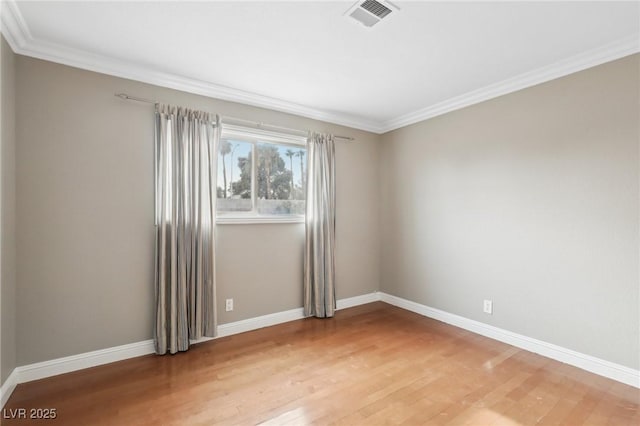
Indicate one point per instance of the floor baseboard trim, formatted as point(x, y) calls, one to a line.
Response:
point(7, 387)
point(256, 323)
point(363, 299)
point(589, 363)
point(68, 364)
point(286, 316)
point(41, 370)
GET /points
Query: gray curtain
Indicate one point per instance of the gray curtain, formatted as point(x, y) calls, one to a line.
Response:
point(185, 162)
point(320, 228)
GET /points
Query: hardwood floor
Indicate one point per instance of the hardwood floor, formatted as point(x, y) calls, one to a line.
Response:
point(373, 364)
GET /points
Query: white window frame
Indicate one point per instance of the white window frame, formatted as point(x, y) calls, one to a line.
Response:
point(254, 136)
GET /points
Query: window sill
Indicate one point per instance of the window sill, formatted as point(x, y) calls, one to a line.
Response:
point(251, 220)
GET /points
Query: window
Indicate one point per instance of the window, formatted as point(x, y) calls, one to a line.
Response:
point(270, 189)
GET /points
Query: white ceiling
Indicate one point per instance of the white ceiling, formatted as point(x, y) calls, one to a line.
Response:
point(307, 58)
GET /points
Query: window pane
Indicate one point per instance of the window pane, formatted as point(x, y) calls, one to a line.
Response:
point(234, 176)
point(280, 181)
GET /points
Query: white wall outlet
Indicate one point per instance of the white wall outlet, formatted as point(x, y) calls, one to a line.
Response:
point(488, 307)
point(229, 305)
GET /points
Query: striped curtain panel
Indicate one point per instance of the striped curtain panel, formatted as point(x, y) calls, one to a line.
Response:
point(320, 228)
point(186, 144)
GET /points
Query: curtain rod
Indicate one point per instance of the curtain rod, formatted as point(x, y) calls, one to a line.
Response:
point(256, 123)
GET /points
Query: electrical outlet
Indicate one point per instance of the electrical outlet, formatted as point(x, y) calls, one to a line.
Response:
point(488, 307)
point(229, 305)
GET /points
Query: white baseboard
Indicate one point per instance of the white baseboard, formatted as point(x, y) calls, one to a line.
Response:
point(589, 363)
point(358, 300)
point(259, 322)
point(68, 364)
point(71, 363)
point(40, 370)
point(286, 316)
point(7, 387)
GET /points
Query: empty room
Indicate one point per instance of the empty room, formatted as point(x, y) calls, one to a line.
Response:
point(320, 212)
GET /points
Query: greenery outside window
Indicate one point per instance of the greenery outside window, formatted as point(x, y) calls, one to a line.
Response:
point(272, 187)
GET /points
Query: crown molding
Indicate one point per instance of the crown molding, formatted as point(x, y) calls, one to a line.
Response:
point(610, 52)
point(22, 42)
point(13, 26)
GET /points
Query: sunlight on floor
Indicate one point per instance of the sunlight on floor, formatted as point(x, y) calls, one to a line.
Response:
point(487, 417)
point(476, 417)
point(297, 416)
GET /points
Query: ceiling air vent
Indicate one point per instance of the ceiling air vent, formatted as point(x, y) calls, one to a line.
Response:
point(370, 12)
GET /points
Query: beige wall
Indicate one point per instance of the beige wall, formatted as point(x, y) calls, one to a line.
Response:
point(530, 200)
point(85, 215)
point(8, 203)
